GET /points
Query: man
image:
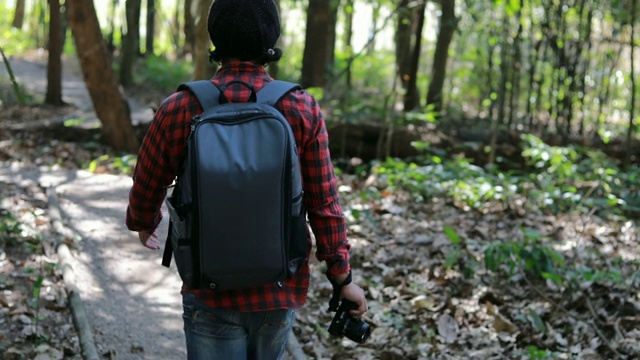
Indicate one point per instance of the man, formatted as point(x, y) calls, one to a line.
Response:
point(249, 323)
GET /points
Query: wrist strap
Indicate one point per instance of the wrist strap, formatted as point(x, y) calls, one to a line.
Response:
point(337, 288)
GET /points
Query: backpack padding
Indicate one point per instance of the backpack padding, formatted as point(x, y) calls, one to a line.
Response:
point(272, 92)
point(207, 93)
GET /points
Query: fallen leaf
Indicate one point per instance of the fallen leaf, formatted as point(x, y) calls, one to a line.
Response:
point(448, 328)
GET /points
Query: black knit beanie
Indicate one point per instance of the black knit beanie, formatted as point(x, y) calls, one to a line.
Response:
point(245, 30)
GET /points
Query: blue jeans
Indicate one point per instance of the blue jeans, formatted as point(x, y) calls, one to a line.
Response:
point(232, 335)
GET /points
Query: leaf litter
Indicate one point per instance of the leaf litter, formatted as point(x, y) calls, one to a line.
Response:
point(422, 264)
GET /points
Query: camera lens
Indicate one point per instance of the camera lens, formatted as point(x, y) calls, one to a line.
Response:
point(357, 330)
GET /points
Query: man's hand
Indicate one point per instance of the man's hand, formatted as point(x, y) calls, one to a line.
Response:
point(354, 293)
point(149, 240)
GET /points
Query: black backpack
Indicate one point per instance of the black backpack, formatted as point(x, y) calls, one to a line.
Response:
point(236, 215)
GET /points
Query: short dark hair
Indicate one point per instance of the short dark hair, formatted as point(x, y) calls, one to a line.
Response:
point(245, 30)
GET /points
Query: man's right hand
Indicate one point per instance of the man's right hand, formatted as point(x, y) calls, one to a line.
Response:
point(354, 293)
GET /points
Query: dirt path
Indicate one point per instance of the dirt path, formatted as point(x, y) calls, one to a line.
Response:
point(32, 74)
point(132, 302)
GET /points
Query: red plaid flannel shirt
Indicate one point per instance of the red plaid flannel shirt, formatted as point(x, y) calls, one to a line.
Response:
point(160, 158)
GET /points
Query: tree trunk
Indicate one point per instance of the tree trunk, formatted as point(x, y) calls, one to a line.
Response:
point(151, 27)
point(632, 102)
point(203, 68)
point(108, 100)
point(348, 36)
point(331, 36)
point(314, 58)
point(411, 98)
point(111, 18)
point(18, 16)
point(189, 28)
point(403, 44)
point(130, 45)
point(54, 63)
point(448, 24)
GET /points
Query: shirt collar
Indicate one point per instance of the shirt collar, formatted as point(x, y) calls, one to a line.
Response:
point(234, 67)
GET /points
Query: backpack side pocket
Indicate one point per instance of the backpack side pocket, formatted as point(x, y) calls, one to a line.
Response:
point(180, 243)
point(299, 242)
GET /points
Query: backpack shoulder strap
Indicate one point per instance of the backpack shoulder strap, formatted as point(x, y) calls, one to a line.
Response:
point(275, 90)
point(207, 93)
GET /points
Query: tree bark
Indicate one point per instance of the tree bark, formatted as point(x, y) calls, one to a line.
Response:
point(411, 98)
point(54, 63)
point(632, 102)
point(203, 67)
point(403, 43)
point(151, 27)
point(448, 24)
point(189, 28)
point(106, 95)
point(130, 44)
point(18, 16)
point(316, 48)
point(348, 36)
point(111, 18)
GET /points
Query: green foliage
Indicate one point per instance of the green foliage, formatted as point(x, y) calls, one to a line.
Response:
point(529, 255)
point(162, 73)
point(9, 226)
point(574, 178)
point(538, 354)
point(561, 179)
point(118, 164)
point(467, 184)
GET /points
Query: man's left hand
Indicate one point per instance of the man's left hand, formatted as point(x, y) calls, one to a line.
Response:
point(149, 240)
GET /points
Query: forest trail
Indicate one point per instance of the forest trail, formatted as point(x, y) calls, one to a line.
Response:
point(132, 302)
point(31, 73)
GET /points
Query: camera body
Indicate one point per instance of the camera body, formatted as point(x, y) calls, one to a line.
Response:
point(343, 324)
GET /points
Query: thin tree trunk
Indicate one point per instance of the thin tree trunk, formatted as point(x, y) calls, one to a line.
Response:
point(516, 69)
point(505, 54)
point(375, 15)
point(151, 27)
point(632, 106)
point(203, 68)
point(334, 5)
point(20, 96)
point(108, 100)
point(189, 28)
point(403, 44)
point(448, 24)
point(18, 16)
point(348, 36)
point(412, 96)
point(111, 18)
point(54, 63)
point(314, 58)
point(130, 45)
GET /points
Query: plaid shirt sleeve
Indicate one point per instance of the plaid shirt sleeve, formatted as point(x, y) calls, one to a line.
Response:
point(321, 196)
point(159, 159)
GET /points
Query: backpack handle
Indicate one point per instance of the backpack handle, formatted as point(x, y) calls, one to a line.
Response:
point(223, 100)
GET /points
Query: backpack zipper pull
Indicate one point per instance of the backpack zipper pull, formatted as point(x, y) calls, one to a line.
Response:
point(194, 120)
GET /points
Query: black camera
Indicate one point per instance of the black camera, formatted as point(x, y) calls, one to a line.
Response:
point(343, 324)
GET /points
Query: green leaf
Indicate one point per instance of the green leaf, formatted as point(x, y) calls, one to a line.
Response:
point(537, 322)
point(553, 277)
point(452, 235)
point(452, 258)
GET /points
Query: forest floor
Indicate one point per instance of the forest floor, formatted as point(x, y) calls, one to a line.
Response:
point(430, 297)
